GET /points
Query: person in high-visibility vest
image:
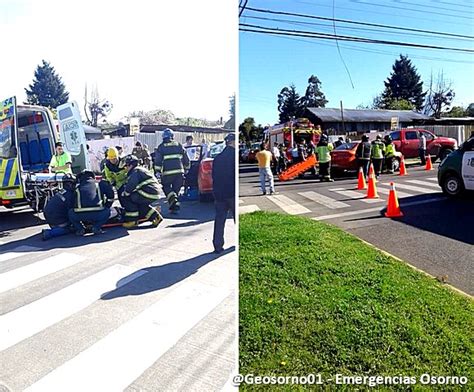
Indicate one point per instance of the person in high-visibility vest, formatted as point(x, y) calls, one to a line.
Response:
point(323, 151)
point(389, 153)
point(92, 203)
point(170, 162)
point(140, 195)
point(377, 153)
point(115, 172)
point(61, 161)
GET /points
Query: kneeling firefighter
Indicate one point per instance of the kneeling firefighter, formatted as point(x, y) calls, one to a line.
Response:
point(140, 193)
point(56, 209)
point(171, 161)
point(92, 203)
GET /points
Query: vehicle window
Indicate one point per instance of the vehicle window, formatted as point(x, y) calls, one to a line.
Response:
point(395, 135)
point(411, 135)
point(7, 149)
point(346, 146)
point(428, 136)
point(194, 152)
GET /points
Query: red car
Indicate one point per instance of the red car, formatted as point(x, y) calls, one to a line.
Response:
point(343, 159)
point(205, 171)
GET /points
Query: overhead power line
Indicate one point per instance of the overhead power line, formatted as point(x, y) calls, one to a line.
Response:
point(310, 34)
point(359, 23)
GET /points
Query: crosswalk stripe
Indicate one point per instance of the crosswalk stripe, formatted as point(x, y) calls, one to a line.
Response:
point(424, 183)
point(415, 188)
point(324, 200)
point(17, 252)
point(30, 319)
point(28, 273)
point(248, 209)
point(288, 205)
point(354, 195)
point(432, 178)
point(118, 359)
point(385, 191)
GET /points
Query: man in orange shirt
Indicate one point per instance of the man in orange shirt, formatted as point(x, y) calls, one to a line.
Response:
point(264, 158)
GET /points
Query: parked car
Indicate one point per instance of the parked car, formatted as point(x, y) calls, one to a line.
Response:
point(254, 148)
point(456, 171)
point(406, 141)
point(343, 159)
point(205, 171)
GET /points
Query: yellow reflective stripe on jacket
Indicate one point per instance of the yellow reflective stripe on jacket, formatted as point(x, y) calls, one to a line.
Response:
point(131, 213)
point(169, 172)
point(148, 195)
point(100, 207)
point(143, 183)
point(173, 156)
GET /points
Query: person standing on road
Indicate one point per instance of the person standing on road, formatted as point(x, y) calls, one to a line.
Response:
point(377, 152)
point(363, 154)
point(92, 203)
point(422, 147)
point(264, 157)
point(276, 158)
point(140, 193)
point(389, 153)
point(223, 179)
point(323, 151)
point(61, 161)
point(171, 161)
point(142, 154)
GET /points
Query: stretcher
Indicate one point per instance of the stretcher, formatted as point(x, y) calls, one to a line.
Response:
point(299, 168)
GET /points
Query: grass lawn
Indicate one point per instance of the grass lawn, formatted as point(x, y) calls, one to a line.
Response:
point(314, 299)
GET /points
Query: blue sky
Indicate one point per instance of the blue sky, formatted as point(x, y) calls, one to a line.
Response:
point(268, 63)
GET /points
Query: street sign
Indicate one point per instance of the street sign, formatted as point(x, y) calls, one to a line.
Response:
point(394, 123)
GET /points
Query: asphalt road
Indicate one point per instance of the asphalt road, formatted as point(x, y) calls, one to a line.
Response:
point(436, 234)
point(151, 309)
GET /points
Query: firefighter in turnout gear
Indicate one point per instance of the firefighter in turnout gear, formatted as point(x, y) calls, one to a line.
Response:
point(92, 203)
point(114, 171)
point(140, 195)
point(323, 151)
point(171, 161)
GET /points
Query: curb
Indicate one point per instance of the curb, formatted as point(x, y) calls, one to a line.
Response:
point(450, 287)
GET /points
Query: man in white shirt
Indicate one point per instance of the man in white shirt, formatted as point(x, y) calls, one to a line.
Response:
point(276, 158)
point(422, 147)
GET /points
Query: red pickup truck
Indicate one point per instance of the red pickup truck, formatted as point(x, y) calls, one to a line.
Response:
point(406, 141)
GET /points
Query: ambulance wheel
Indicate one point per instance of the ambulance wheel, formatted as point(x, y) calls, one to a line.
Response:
point(452, 185)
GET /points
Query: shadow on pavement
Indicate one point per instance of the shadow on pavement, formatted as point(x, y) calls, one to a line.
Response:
point(163, 276)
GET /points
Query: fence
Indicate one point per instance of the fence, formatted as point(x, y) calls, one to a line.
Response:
point(152, 140)
point(458, 132)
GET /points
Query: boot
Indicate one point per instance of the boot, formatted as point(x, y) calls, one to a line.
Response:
point(130, 225)
point(155, 222)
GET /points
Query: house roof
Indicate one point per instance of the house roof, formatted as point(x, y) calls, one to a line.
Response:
point(366, 115)
point(181, 128)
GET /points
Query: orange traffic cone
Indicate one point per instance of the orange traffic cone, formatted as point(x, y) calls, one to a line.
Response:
point(403, 169)
point(372, 189)
point(361, 181)
point(428, 166)
point(393, 208)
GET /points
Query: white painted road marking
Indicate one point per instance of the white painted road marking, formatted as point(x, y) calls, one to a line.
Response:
point(121, 357)
point(30, 319)
point(385, 191)
point(355, 195)
point(17, 252)
point(288, 205)
point(324, 200)
point(28, 273)
point(424, 183)
point(360, 212)
point(416, 188)
point(432, 179)
point(247, 209)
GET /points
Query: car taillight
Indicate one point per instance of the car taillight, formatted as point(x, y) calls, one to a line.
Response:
point(5, 202)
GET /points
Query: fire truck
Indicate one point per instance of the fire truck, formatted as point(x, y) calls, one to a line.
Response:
point(27, 137)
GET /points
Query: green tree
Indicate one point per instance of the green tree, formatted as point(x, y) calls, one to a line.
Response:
point(314, 97)
point(96, 108)
point(289, 104)
point(249, 132)
point(230, 124)
point(399, 104)
point(456, 111)
point(403, 84)
point(47, 88)
point(470, 110)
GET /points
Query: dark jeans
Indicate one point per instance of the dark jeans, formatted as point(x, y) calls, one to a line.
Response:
point(222, 209)
point(96, 218)
point(364, 163)
point(389, 164)
point(377, 165)
point(422, 154)
point(324, 170)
